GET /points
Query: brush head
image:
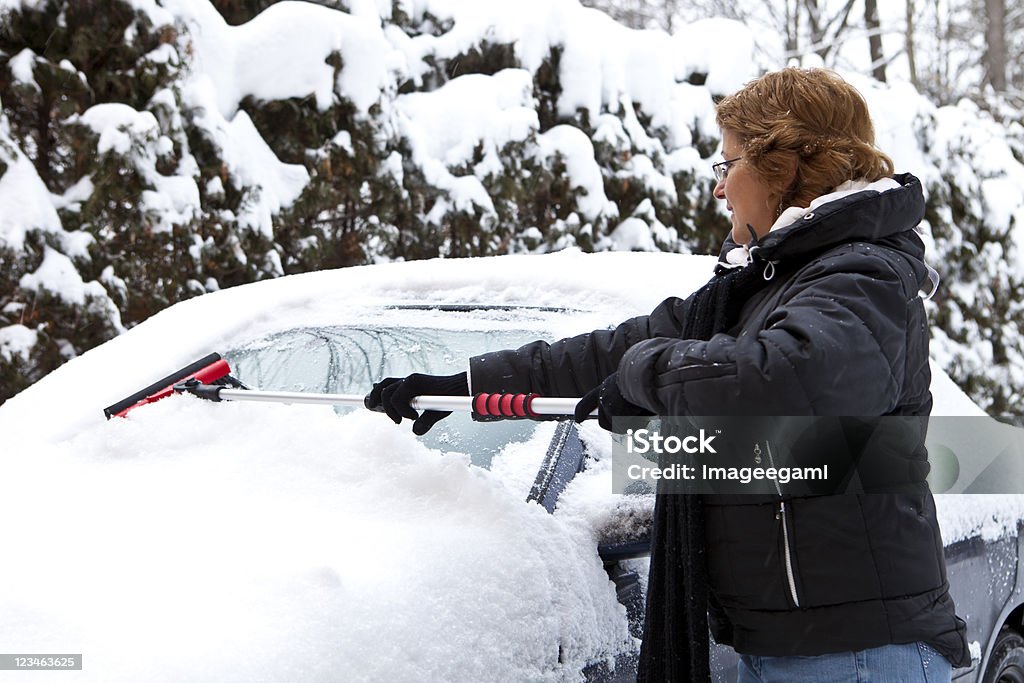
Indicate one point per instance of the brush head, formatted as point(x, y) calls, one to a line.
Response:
point(207, 370)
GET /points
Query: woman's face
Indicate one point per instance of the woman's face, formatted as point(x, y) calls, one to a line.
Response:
point(748, 199)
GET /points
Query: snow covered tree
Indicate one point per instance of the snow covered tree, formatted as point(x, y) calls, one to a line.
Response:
point(974, 213)
point(52, 303)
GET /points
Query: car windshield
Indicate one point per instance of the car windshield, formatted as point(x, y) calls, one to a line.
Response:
point(348, 359)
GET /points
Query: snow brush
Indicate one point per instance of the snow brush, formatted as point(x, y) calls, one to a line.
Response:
point(209, 378)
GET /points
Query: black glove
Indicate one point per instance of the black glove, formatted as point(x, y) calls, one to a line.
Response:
point(609, 402)
point(393, 394)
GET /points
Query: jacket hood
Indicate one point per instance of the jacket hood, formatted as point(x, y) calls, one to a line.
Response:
point(887, 218)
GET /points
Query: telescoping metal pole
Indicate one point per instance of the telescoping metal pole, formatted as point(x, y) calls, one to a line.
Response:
point(500, 405)
point(209, 378)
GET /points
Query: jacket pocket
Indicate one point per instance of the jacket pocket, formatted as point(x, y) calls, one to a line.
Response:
point(832, 557)
point(744, 555)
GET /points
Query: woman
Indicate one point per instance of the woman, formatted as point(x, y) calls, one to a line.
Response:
point(814, 310)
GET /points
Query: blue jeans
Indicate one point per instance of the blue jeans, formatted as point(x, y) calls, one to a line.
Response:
point(909, 663)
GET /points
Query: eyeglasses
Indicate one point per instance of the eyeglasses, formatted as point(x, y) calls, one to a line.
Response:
point(721, 169)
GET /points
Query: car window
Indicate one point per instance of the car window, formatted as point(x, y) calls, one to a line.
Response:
point(349, 359)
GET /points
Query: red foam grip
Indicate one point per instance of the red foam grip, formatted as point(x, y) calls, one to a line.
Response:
point(503, 405)
point(518, 405)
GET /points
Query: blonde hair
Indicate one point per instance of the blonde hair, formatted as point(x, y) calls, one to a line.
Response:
point(812, 115)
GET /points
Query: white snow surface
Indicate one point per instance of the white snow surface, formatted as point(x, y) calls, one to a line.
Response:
point(580, 166)
point(238, 541)
point(281, 53)
point(116, 124)
point(24, 198)
point(282, 543)
point(58, 274)
point(16, 340)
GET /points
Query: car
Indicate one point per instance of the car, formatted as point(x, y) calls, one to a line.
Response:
point(284, 542)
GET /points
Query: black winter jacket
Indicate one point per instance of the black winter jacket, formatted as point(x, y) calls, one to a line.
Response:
point(839, 330)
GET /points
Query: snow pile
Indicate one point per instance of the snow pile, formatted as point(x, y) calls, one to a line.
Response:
point(339, 549)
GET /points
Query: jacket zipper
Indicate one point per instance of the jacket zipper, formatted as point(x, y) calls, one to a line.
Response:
point(780, 514)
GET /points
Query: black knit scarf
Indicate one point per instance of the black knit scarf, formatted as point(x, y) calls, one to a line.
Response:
point(675, 643)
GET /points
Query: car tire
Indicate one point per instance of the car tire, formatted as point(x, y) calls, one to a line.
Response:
point(1006, 665)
